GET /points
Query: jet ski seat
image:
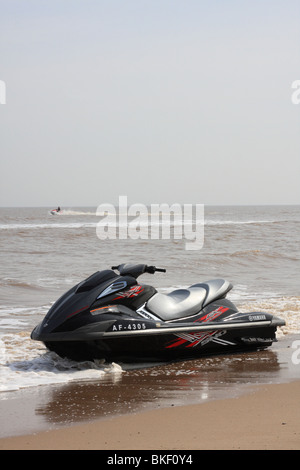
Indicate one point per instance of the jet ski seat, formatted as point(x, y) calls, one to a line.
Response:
point(182, 303)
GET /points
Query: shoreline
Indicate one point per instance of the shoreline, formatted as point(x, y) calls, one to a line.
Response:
point(267, 417)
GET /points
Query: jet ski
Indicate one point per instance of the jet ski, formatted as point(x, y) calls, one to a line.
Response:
point(55, 211)
point(111, 316)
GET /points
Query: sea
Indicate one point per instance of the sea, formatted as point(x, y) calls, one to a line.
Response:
point(256, 248)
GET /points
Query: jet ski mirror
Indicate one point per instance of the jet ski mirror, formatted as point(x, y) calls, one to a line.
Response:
point(135, 270)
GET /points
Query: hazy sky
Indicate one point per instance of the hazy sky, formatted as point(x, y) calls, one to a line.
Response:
point(160, 100)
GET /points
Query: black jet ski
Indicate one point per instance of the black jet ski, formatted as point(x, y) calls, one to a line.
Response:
point(111, 316)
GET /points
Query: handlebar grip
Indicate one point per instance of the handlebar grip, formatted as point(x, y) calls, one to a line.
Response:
point(153, 269)
point(137, 270)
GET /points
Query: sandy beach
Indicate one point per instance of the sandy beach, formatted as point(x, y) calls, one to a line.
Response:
point(267, 418)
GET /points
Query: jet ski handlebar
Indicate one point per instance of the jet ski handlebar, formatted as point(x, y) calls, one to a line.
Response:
point(153, 269)
point(136, 270)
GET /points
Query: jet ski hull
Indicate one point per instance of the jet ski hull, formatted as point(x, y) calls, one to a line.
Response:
point(139, 341)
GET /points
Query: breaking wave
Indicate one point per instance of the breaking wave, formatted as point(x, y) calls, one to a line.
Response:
point(25, 363)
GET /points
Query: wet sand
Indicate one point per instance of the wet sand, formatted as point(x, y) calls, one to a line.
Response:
point(241, 401)
point(268, 418)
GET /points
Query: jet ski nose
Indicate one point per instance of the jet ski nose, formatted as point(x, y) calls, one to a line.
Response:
point(35, 334)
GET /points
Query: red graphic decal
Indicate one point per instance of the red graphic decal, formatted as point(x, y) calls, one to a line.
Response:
point(133, 292)
point(176, 343)
point(213, 315)
point(77, 311)
point(191, 340)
